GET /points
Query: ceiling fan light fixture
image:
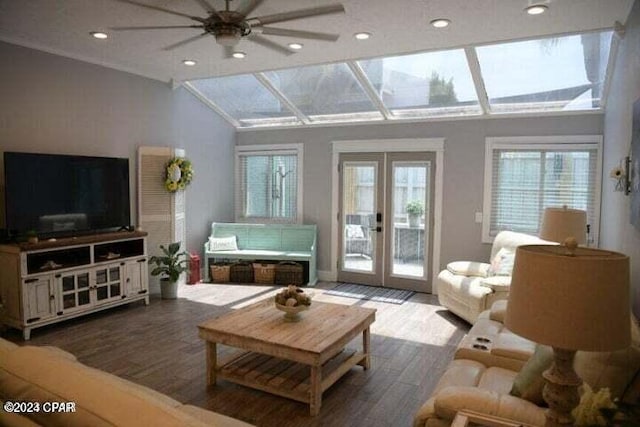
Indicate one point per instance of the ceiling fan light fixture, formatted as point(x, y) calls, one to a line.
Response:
point(362, 35)
point(99, 35)
point(189, 62)
point(537, 9)
point(440, 23)
point(239, 55)
point(226, 39)
point(295, 46)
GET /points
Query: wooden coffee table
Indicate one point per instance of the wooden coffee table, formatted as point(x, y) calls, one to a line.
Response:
point(297, 360)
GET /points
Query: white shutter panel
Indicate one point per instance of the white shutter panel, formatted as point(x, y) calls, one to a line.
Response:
point(160, 213)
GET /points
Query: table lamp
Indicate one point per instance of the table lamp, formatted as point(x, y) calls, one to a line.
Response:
point(560, 223)
point(570, 298)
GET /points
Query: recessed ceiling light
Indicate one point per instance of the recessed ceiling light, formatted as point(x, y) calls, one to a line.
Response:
point(295, 46)
point(189, 62)
point(440, 23)
point(362, 36)
point(537, 9)
point(239, 55)
point(99, 35)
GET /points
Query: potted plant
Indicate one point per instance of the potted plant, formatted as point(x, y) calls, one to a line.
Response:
point(415, 210)
point(32, 236)
point(169, 267)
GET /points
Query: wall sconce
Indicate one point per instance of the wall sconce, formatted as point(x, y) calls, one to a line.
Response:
point(621, 175)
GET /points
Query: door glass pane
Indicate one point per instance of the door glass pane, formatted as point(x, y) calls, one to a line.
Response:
point(410, 200)
point(83, 280)
point(83, 297)
point(359, 207)
point(115, 289)
point(101, 276)
point(114, 273)
point(68, 283)
point(69, 300)
point(102, 292)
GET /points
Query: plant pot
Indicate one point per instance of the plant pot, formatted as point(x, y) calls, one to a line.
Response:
point(168, 289)
point(414, 221)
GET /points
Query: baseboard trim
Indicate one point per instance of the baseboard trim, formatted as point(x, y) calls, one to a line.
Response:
point(327, 276)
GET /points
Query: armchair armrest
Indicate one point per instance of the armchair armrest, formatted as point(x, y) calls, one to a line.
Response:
point(451, 400)
point(469, 268)
point(497, 283)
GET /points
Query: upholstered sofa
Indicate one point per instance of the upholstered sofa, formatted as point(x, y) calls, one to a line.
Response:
point(487, 364)
point(49, 374)
point(467, 288)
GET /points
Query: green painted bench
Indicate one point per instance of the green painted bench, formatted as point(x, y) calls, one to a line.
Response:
point(267, 242)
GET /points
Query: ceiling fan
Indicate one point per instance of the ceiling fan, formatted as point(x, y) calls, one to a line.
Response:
point(230, 26)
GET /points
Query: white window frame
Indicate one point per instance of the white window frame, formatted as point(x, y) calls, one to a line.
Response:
point(540, 143)
point(296, 149)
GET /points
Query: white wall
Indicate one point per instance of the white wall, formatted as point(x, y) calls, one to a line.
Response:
point(617, 233)
point(51, 104)
point(463, 169)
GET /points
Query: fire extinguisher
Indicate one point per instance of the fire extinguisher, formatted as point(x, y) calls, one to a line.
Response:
point(194, 269)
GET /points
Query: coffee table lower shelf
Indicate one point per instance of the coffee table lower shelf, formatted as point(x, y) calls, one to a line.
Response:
point(286, 378)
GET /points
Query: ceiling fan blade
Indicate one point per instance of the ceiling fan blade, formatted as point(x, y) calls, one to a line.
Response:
point(183, 42)
point(161, 9)
point(297, 14)
point(248, 7)
point(270, 31)
point(154, 27)
point(228, 51)
point(269, 44)
point(207, 6)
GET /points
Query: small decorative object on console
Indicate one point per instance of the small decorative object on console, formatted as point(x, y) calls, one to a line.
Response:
point(292, 300)
point(178, 174)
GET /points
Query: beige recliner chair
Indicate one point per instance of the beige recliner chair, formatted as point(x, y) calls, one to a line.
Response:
point(468, 288)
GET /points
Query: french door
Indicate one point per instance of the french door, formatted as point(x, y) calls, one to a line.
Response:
point(386, 219)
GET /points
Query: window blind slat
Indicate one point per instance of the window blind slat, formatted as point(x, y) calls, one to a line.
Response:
point(525, 182)
point(268, 187)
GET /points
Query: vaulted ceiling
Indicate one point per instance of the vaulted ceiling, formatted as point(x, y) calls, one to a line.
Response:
point(402, 26)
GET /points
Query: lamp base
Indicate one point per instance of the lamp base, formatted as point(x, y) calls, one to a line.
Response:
point(561, 390)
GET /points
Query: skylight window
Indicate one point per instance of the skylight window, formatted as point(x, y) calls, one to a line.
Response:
point(325, 92)
point(548, 75)
point(246, 100)
point(552, 74)
point(423, 85)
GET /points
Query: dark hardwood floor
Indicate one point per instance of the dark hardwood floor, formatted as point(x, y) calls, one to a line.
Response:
point(158, 346)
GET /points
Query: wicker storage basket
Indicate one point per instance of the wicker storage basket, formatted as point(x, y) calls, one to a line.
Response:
point(220, 273)
point(289, 273)
point(264, 273)
point(241, 272)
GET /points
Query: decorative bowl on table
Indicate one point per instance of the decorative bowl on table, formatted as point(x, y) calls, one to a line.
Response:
point(292, 301)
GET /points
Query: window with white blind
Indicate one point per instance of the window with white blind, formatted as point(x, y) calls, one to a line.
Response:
point(525, 175)
point(269, 183)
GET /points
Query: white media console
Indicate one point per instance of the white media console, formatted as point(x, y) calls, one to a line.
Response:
point(50, 281)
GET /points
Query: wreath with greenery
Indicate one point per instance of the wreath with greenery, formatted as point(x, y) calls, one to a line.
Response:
point(178, 174)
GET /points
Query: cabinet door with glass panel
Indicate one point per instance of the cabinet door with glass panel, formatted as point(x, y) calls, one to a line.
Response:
point(74, 290)
point(109, 285)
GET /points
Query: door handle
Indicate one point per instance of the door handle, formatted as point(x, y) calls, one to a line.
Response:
point(376, 229)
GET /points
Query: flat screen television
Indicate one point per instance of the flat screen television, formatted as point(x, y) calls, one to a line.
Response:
point(61, 195)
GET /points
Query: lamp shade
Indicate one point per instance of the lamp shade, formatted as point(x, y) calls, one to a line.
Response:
point(573, 302)
point(560, 223)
